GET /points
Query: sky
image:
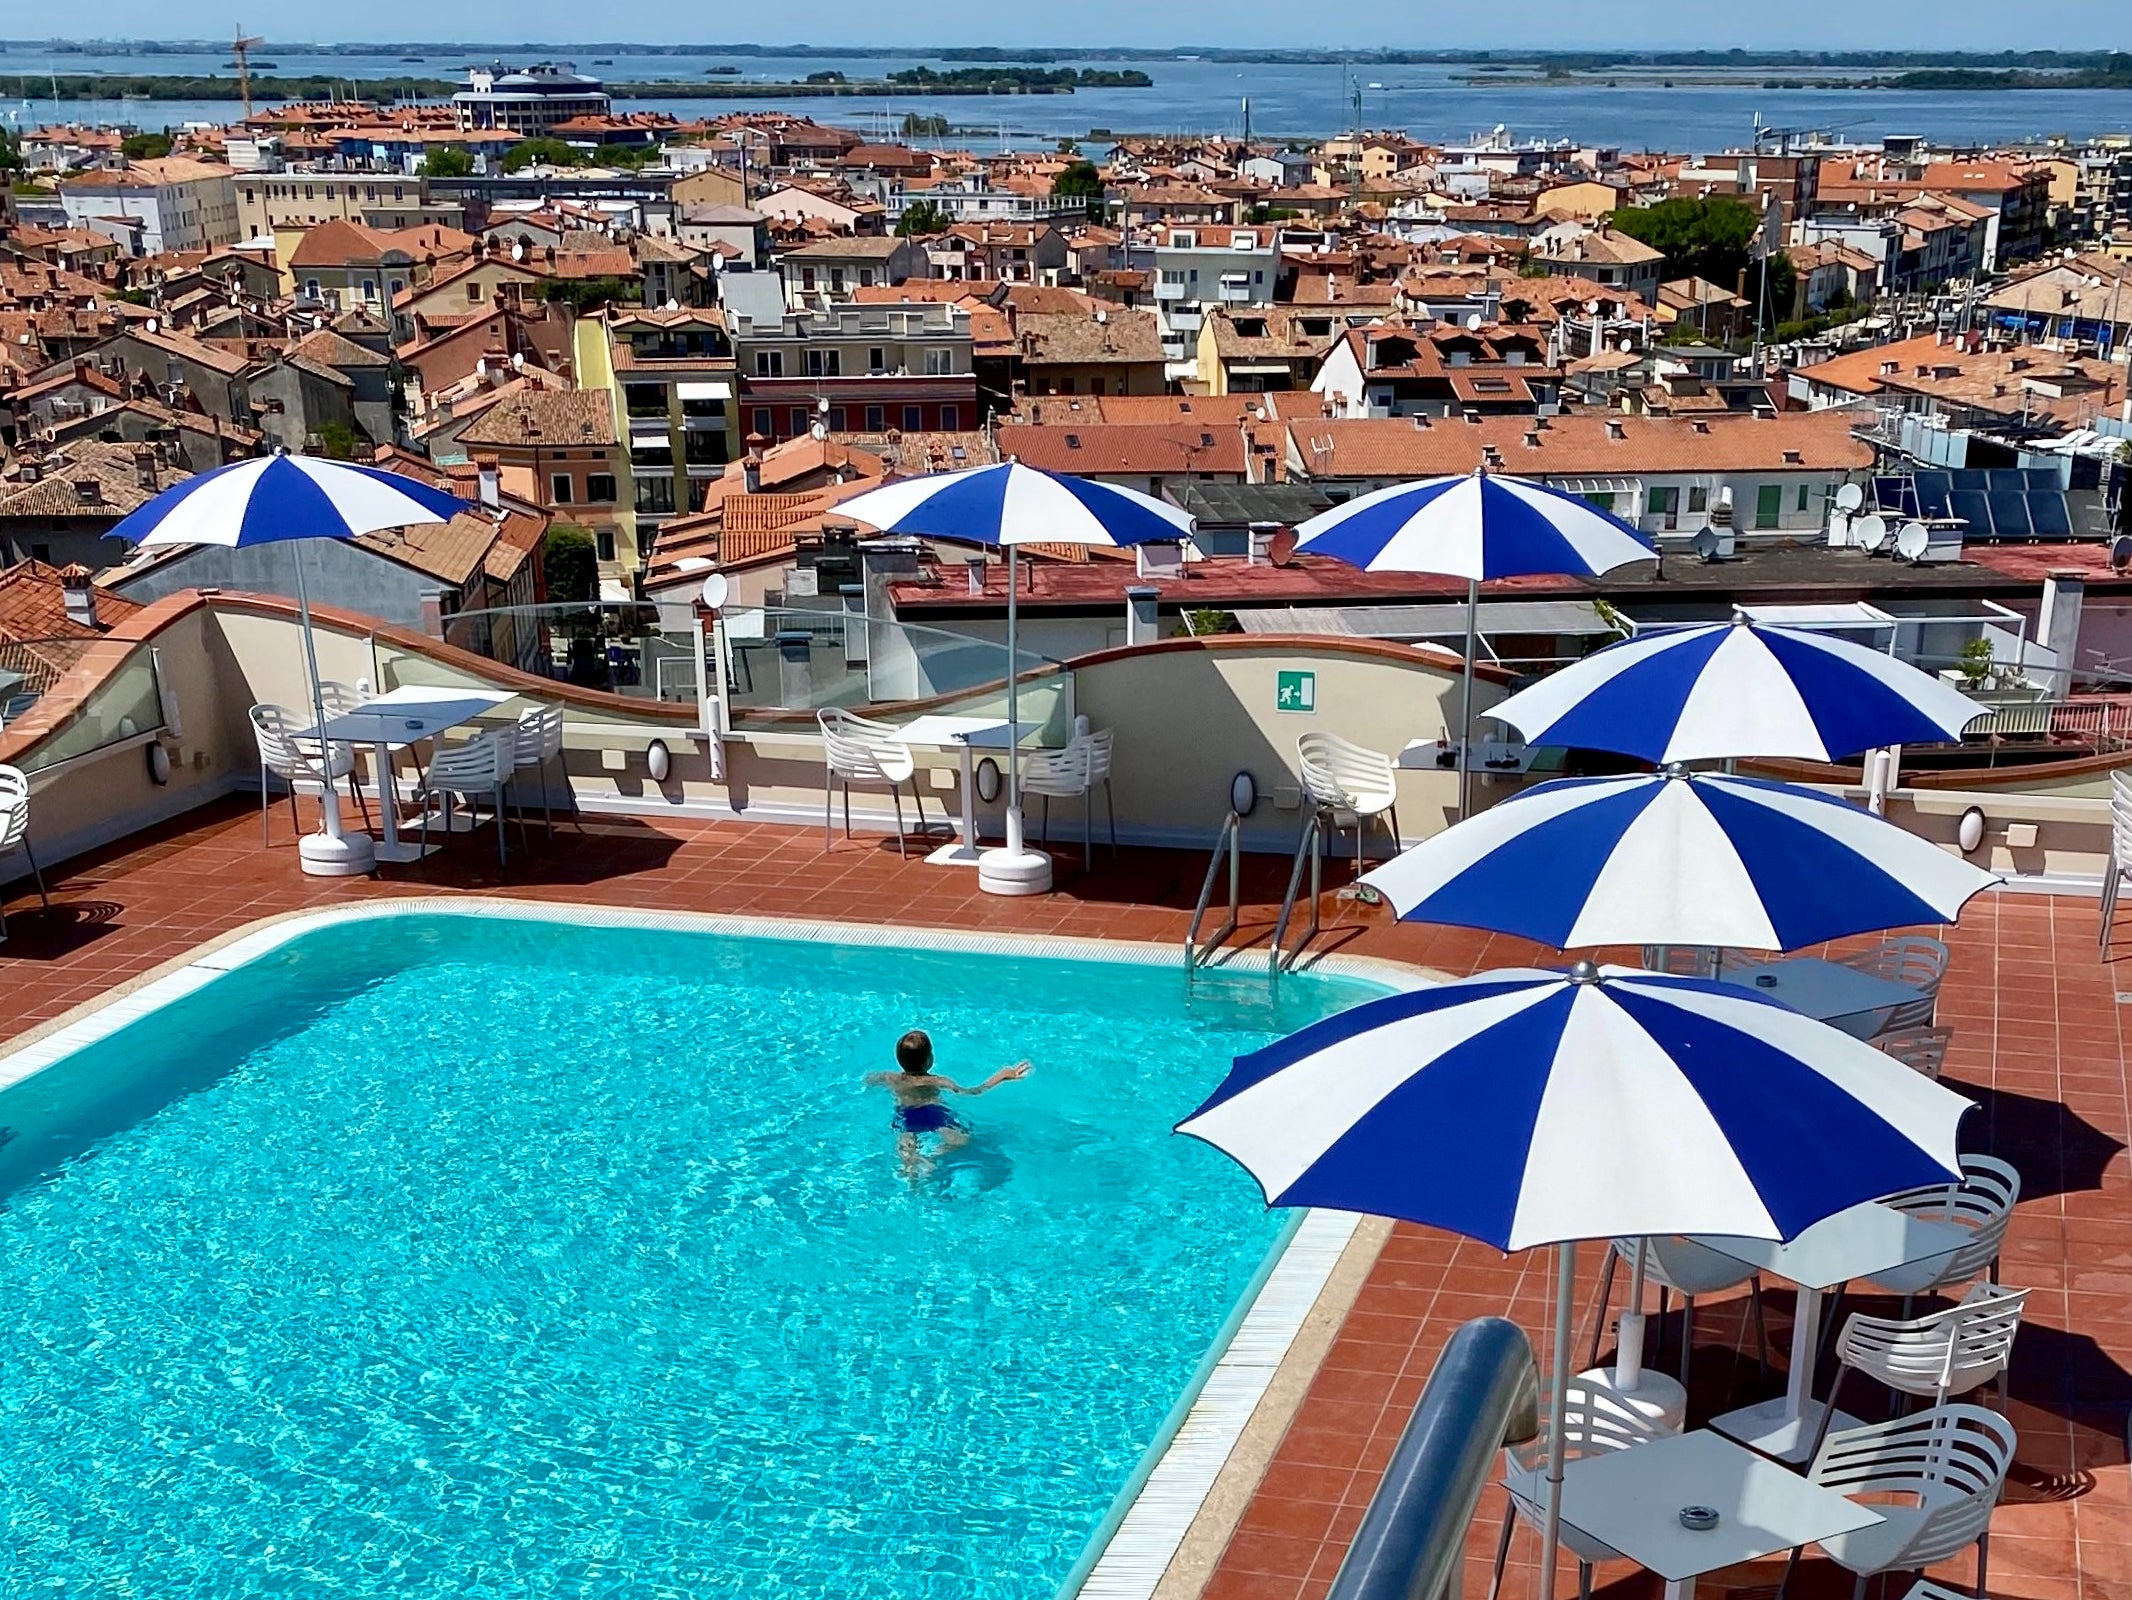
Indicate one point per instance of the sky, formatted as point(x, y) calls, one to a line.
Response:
point(1564, 24)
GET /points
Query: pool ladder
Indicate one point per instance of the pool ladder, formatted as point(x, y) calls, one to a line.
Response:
point(1229, 844)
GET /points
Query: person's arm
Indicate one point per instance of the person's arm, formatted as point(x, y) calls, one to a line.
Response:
point(1020, 1069)
point(882, 1080)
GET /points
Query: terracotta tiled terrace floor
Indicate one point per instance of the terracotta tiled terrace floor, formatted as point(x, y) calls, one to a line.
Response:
point(2038, 1043)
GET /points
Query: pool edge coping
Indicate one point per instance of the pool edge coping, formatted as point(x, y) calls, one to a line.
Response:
point(1217, 1407)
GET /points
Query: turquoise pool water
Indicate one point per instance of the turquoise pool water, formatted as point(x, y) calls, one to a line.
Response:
point(460, 1256)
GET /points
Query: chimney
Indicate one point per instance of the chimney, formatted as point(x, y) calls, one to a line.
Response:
point(1258, 543)
point(144, 467)
point(488, 473)
point(88, 492)
point(751, 472)
point(1141, 625)
point(80, 592)
point(1614, 429)
point(974, 567)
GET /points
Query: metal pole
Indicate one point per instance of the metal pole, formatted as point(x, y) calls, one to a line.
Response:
point(1465, 710)
point(329, 802)
point(1557, 1404)
point(1014, 727)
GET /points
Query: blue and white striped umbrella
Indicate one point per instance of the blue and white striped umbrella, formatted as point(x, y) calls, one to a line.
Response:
point(1677, 858)
point(1526, 1108)
point(1477, 526)
point(1739, 688)
point(1011, 504)
point(279, 497)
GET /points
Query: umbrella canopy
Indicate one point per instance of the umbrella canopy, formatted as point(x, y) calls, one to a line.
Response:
point(1678, 858)
point(1526, 1107)
point(280, 497)
point(1011, 504)
point(1476, 526)
point(1741, 688)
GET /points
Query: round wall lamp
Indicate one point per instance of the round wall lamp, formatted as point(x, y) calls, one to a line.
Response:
point(1969, 833)
point(658, 760)
point(1243, 793)
point(158, 765)
point(989, 780)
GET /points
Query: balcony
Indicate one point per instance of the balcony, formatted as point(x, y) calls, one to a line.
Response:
point(1168, 291)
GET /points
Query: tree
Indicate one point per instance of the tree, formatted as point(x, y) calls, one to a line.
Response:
point(924, 125)
point(580, 294)
point(10, 151)
point(542, 152)
point(625, 157)
point(448, 161)
point(921, 217)
point(1081, 181)
point(339, 442)
point(145, 146)
point(1705, 238)
point(571, 563)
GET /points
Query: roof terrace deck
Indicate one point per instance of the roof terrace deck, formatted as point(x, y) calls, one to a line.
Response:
point(2038, 1042)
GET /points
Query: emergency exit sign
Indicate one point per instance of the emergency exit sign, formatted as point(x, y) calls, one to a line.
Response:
point(1295, 691)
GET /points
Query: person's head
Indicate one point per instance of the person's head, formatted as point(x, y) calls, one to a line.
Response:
point(914, 1053)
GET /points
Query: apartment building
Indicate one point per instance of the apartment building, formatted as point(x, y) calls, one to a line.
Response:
point(169, 204)
point(272, 203)
point(857, 368)
point(675, 385)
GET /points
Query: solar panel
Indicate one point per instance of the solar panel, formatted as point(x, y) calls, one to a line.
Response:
point(1970, 480)
point(2043, 480)
point(2005, 479)
point(1895, 494)
point(1973, 509)
point(2009, 515)
point(1932, 497)
point(2050, 515)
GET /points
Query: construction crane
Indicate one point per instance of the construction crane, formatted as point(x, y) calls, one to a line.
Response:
point(239, 52)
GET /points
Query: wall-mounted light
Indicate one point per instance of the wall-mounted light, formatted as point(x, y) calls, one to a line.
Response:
point(1243, 793)
point(158, 764)
point(658, 760)
point(1969, 833)
point(988, 780)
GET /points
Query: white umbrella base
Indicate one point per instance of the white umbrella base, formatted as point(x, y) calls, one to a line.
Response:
point(1012, 872)
point(346, 855)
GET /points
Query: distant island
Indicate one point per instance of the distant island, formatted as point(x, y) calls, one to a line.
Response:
point(913, 80)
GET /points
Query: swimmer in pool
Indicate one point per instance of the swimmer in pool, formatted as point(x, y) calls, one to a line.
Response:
point(918, 1088)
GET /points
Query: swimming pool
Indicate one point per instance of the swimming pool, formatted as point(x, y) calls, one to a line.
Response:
point(443, 1254)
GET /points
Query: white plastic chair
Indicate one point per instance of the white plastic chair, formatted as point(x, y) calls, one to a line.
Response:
point(468, 771)
point(303, 765)
point(859, 750)
point(1939, 1356)
point(537, 740)
point(1596, 1421)
point(1349, 782)
point(1983, 1202)
point(1922, 1050)
point(15, 832)
point(1062, 774)
point(1934, 1478)
point(1916, 960)
point(1691, 1270)
point(2120, 862)
point(1682, 960)
point(1100, 742)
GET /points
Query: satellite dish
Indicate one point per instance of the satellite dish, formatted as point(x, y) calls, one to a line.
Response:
point(672, 304)
point(518, 361)
point(715, 590)
point(1850, 497)
point(1473, 321)
point(821, 406)
point(151, 325)
point(819, 431)
point(1870, 533)
point(2121, 552)
point(1102, 316)
point(1705, 545)
point(1912, 541)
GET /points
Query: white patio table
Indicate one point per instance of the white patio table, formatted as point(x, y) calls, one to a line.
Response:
point(1632, 1499)
point(1828, 991)
point(393, 721)
point(966, 734)
point(1852, 1244)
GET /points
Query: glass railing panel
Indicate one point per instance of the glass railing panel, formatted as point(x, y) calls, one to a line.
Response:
point(128, 703)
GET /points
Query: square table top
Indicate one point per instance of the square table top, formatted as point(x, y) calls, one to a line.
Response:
point(938, 731)
point(1852, 1244)
point(409, 713)
point(1823, 990)
point(1631, 1500)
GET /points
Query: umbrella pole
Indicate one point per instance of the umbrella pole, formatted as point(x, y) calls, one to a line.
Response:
point(331, 853)
point(1628, 1356)
point(1557, 1407)
point(1465, 705)
point(1014, 726)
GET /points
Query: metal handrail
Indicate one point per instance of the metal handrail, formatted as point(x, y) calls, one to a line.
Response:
point(1310, 846)
point(1231, 836)
point(1483, 1395)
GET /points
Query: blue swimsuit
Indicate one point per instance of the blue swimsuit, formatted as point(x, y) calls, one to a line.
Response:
point(930, 1118)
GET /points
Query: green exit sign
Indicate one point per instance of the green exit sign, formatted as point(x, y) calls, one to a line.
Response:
point(1295, 691)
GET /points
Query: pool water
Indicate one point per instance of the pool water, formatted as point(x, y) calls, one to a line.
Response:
point(444, 1255)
